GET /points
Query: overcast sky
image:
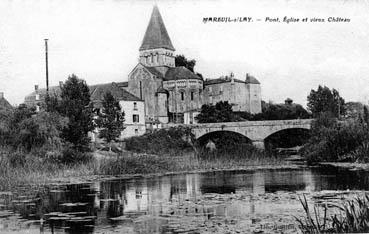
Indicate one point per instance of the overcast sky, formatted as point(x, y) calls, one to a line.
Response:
point(98, 40)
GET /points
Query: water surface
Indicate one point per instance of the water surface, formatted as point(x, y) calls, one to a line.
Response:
point(213, 202)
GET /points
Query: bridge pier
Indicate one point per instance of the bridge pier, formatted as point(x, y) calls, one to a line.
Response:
point(259, 144)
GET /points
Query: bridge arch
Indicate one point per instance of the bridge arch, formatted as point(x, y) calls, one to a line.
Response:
point(217, 133)
point(287, 138)
point(224, 140)
point(276, 129)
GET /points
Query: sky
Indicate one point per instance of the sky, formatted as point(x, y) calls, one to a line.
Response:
point(98, 40)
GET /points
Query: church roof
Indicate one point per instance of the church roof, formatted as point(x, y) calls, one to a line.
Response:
point(178, 73)
point(156, 35)
point(154, 71)
point(251, 80)
point(5, 105)
point(162, 90)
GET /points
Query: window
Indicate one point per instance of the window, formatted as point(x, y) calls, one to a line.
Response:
point(135, 106)
point(136, 131)
point(221, 89)
point(192, 95)
point(136, 118)
point(182, 96)
point(37, 97)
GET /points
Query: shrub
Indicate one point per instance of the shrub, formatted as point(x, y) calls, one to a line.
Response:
point(71, 155)
point(332, 140)
point(136, 165)
point(172, 140)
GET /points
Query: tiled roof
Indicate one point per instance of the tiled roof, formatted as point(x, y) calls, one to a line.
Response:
point(175, 73)
point(122, 84)
point(221, 80)
point(162, 90)
point(251, 80)
point(97, 92)
point(5, 105)
point(156, 35)
point(154, 71)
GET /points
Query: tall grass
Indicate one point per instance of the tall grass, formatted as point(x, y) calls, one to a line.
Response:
point(17, 168)
point(352, 217)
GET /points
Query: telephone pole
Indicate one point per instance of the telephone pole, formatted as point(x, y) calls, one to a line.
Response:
point(47, 67)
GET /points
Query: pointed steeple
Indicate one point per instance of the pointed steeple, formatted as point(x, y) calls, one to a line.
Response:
point(156, 35)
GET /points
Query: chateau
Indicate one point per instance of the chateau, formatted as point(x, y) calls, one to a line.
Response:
point(159, 92)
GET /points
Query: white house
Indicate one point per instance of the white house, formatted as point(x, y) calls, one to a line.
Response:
point(133, 107)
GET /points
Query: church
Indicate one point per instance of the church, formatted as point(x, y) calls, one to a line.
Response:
point(176, 94)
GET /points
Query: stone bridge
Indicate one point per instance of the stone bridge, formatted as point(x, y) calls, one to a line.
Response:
point(256, 131)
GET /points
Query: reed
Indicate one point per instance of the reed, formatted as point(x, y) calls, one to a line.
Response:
point(351, 217)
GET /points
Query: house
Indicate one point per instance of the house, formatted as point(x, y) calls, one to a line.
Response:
point(132, 106)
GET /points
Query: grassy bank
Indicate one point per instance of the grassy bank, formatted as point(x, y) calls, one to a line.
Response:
point(36, 170)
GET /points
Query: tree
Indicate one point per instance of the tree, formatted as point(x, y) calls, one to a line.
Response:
point(221, 112)
point(325, 100)
point(75, 104)
point(181, 60)
point(110, 119)
point(41, 130)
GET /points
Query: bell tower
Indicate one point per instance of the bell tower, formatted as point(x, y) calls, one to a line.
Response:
point(156, 49)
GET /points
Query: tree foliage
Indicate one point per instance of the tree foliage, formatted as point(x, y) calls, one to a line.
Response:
point(325, 100)
point(181, 60)
point(75, 104)
point(220, 112)
point(110, 119)
point(332, 140)
point(272, 111)
point(41, 130)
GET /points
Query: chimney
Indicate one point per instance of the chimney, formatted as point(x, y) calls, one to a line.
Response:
point(36, 87)
point(1, 95)
point(60, 84)
point(288, 101)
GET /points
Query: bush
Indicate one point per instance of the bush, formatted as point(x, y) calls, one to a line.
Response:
point(141, 164)
point(70, 155)
point(332, 140)
point(163, 141)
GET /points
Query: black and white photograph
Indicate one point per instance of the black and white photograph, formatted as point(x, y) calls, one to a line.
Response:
point(174, 116)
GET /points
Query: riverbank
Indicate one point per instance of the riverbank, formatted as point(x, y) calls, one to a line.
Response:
point(347, 165)
point(105, 165)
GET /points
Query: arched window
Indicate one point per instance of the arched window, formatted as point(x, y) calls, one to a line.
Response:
point(192, 95)
point(182, 95)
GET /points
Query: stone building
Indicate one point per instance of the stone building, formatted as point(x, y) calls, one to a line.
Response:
point(243, 95)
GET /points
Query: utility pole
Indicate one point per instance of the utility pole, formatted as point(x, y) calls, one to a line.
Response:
point(47, 67)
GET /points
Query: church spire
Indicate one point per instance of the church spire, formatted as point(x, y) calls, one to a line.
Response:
point(156, 35)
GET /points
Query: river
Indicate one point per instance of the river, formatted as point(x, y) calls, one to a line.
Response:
point(212, 202)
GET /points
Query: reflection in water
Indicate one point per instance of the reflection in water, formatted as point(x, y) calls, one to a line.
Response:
point(140, 205)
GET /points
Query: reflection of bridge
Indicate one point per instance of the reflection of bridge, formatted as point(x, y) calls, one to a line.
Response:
point(256, 131)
